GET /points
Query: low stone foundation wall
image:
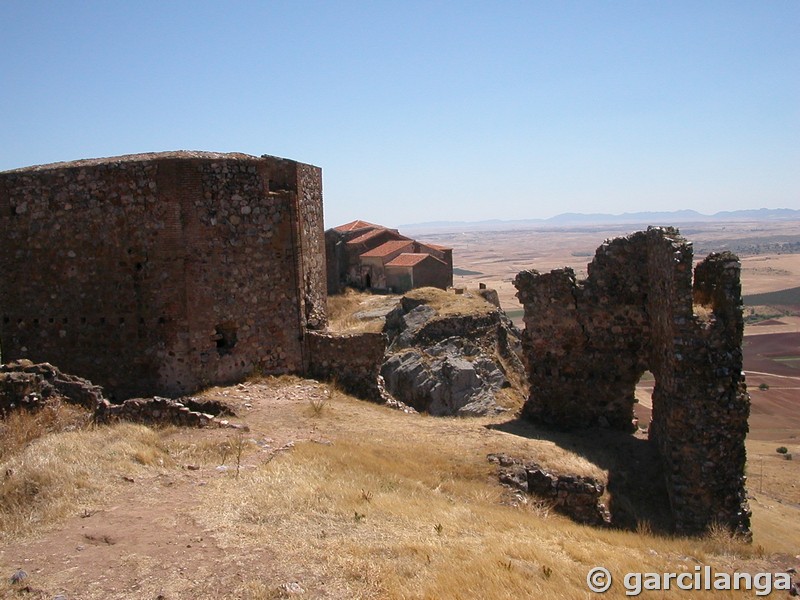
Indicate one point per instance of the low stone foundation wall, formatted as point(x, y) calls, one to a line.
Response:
point(24, 384)
point(572, 495)
point(152, 411)
point(352, 360)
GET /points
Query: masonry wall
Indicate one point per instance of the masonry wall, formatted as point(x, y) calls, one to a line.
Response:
point(433, 273)
point(587, 343)
point(351, 360)
point(159, 273)
point(312, 244)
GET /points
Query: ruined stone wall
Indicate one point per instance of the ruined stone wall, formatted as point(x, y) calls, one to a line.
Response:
point(588, 342)
point(351, 360)
point(157, 273)
point(312, 244)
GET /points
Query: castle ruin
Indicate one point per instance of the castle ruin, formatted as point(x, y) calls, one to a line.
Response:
point(587, 343)
point(162, 273)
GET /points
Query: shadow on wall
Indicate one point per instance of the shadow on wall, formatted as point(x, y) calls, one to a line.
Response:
point(636, 488)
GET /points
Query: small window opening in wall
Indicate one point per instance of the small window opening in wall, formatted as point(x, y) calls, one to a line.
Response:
point(225, 338)
point(6, 320)
point(161, 320)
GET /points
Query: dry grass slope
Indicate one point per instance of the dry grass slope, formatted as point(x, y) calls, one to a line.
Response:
point(368, 503)
point(59, 474)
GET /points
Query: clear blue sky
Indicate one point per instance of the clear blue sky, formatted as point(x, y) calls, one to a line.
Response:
point(427, 110)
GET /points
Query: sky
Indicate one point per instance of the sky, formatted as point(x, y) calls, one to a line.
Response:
point(427, 110)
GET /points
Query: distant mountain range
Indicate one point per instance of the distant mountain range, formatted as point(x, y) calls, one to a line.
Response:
point(643, 218)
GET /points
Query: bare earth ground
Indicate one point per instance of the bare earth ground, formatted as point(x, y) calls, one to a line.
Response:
point(357, 501)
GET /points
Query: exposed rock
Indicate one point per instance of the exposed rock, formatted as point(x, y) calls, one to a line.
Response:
point(453, 364)
point(442, 380)
point(30, 386)
point(18, 577)
point(401, 327)
point(151, 411)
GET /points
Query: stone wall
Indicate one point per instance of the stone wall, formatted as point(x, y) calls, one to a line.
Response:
point(588, 342)
point(25, 385)
point(351, 360)
point(161, 273)
point(575, 496)
point(312, 245)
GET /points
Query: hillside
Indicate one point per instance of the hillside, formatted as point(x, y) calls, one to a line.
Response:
point(331, 495)
point(321, 495)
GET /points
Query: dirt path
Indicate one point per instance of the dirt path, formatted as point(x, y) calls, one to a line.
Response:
point(147, 542)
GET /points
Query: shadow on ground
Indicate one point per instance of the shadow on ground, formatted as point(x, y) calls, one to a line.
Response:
point(638, 494)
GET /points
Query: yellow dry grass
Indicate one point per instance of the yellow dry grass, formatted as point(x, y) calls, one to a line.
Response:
point(21, 427)
point(342, 307)
point(59, 474)
point(373, 504)
point(448, 303)
point(365, 522)
point(408, 507)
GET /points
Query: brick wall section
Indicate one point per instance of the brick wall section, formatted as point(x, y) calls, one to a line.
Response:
point(160, 273)
point(352, 360)
point(588, 342)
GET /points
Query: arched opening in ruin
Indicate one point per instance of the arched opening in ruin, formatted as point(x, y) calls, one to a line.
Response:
point(643, 405)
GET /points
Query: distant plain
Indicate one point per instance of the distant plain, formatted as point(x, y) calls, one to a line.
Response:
point(770, 280)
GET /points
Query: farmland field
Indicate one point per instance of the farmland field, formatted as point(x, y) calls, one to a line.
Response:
point(769, 286)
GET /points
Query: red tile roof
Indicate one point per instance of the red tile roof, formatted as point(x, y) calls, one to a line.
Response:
point(365, 237)
point(356, 225)
point(435, 246)
point(388, 247)
point(409, 259)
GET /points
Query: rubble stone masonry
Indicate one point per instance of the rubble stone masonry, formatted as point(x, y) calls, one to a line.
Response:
point(587, 343)
point(162, 273)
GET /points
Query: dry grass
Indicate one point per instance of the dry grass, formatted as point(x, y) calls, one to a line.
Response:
point(21, 427)
point(448, 303)
point(342, 307)
point(375, 504)
point(57, 474)
point(361, 519)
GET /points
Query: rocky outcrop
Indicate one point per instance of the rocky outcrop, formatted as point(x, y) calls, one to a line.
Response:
point(453, 377)
point(451, 364)
point(572, 495)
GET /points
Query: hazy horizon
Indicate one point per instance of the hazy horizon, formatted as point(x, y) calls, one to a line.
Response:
point(427, 111)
